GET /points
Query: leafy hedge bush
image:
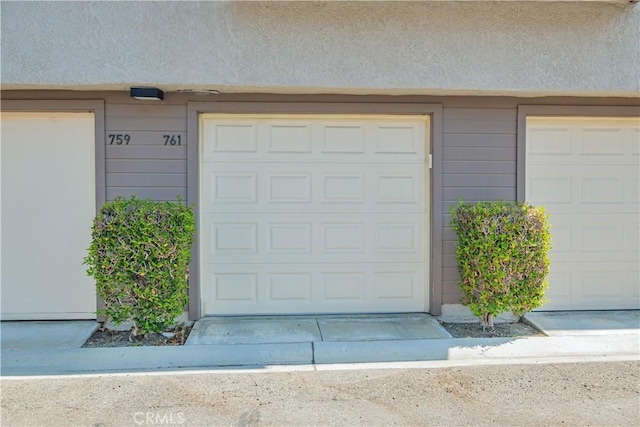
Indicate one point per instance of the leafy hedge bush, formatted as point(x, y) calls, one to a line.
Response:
point(139, 257)
point(502, 254)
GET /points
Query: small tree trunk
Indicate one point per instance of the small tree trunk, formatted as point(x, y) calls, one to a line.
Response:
point(135, 331)
point(487, 321)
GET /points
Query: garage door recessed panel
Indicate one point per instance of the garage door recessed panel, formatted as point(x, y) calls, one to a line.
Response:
point(395, 189)
point(602, 284)
point(551, 189)
point(233, 188)
point(235, 287)
point(544, 141)
point(601, 189)
point(289, 138)
point(342, 237)
point(396, 285)
point(289, 188)
point(602, 141)
point(233, 138)
point(344, 188)
point(397, 139)
point(344, 286)
point(289, 237)
point(235, 237)
point(343, 139)
point(290, 287)
point(396, 238)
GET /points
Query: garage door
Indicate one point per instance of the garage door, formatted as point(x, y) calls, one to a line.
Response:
point(586, 173)
point(313, 214)
point(48, 203)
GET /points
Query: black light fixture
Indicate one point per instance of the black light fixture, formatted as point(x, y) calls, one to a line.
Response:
point(147, 93)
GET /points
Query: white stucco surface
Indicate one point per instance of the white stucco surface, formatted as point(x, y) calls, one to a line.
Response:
point(517, 48)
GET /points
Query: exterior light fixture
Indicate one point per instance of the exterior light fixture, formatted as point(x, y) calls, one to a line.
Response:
point(147, 93)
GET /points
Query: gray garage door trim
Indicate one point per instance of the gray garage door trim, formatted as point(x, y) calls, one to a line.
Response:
point(194, 109)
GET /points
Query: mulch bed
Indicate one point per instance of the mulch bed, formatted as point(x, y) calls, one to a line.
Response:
point(108, 338)
point(474, 330)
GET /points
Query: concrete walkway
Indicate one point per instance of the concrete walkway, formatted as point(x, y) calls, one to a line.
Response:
point(576, 323)
point(300, 329)
point(28, 347)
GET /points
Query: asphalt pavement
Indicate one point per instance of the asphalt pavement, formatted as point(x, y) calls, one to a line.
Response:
point(568, 394)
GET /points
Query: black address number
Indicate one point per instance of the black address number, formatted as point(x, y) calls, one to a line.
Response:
point(119, 138)
point(172, 139)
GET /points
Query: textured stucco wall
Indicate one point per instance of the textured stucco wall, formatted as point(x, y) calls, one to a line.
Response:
point(515, 48)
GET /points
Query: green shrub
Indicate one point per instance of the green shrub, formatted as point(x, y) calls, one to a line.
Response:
point(139, 257)
point(502, 253)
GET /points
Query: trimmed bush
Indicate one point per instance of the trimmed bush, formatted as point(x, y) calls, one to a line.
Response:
point(139, 258)
point(502, 253)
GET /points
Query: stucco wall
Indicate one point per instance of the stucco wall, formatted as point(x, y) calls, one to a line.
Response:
point(517, 48)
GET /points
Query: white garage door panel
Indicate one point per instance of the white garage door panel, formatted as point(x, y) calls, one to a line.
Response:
point(553, 141)
point(314, 214)
point(282, 187)
point(48, 203)
point(290, 238)
point(601, 286)
point(595, 237)
point(300, 140)
point(605, 187)
point(586, 173)
point(302, 288)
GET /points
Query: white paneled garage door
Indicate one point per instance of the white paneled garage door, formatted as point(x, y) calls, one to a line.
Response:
point(313, 214)
point(586, 173)
point(48, 204)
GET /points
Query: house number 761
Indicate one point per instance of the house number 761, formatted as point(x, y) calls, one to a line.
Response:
point(172, 139)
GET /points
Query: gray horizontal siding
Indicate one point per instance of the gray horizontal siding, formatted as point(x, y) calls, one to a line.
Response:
point(146, 167)
point(488, 114)
point(133, 123)
point(449, 260)
point(154, 193)
point(151, 152)
point(448, 247)
point(466, 140)
point(448, 297)
point(479, 153)
point(479, 163)
point(448, 234)
point(482, 167)
point(482, 126)
point(474, 194)
point(147, 180)
point(470, 180)
point(117, 109)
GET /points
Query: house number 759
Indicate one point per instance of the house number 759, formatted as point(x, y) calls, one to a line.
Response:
point(119, 138)
point(172, 139)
